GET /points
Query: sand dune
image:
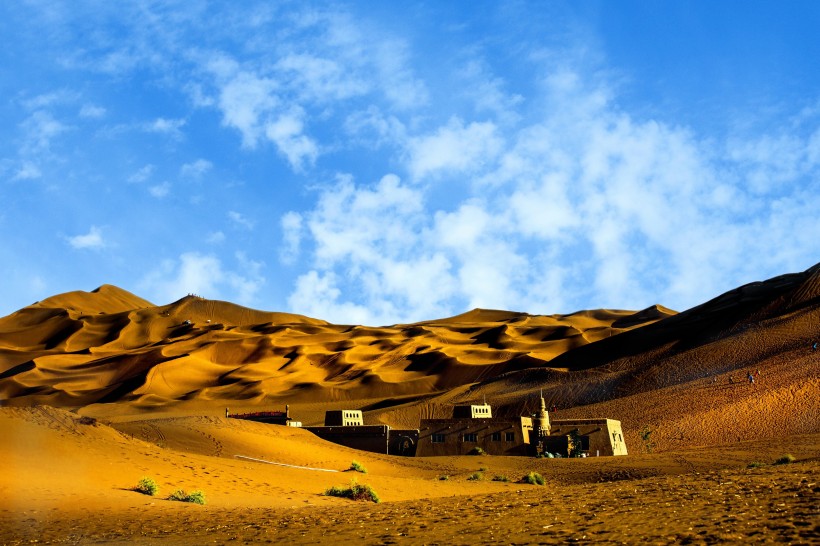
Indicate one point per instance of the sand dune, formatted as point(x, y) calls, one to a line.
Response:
point(81, 348)
point(143, 390)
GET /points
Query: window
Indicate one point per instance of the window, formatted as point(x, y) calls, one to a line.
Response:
point(471, 437)
point(496, 437)
point(509, 436)
point(438, 438)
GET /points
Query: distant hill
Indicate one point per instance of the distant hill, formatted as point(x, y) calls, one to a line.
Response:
point(683, 373)
point(108, 345)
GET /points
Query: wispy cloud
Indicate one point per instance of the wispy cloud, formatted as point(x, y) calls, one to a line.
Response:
point(287, 132)
point(586, 202)
point(91, 111)
point(455, 148)
point(142, 174)
point(205, 275)
point(160, 190)
point(91, 240)
point(171, 127)
point(39, 129)
point(27, 171)
point(196, 169)
point(240, 220)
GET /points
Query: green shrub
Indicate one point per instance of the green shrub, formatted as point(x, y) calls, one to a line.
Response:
point(500, 478)
point(475, 476)
point(533, 478)
point(357, 467)
point(785, 459)
point(355, 491)
point(756, 464)
point(476, 451)
point(147, 486)
point(444, 478)
point(482, 469)
point(196, 497)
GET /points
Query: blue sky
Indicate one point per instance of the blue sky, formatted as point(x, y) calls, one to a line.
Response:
point(383, 162)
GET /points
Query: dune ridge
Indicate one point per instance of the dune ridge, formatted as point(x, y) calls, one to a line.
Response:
point(80, 348)
point(143, 390)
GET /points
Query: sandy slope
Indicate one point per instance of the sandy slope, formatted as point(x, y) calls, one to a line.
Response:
point(65, 481)
point(158, 387)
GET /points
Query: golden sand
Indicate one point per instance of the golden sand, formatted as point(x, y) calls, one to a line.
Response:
point(100, 389)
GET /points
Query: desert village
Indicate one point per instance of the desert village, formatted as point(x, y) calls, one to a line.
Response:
point(471, 430)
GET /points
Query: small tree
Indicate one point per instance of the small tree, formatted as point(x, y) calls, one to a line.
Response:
point(646, 438)
point(575, 447)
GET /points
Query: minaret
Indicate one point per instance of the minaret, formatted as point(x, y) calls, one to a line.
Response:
point(541, 423)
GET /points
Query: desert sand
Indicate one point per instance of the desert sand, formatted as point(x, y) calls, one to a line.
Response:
point(99, 389)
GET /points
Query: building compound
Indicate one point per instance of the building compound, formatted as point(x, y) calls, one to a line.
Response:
point(471, 429)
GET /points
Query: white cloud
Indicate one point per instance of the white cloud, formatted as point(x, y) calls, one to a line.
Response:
point(196, 169)
point(454, 148)
point(240, 220)
point(287, 133)
point(584, 203)
point(204, 275)
point(320, 78)
point(91, 111)
point(160, 190)
point(317, 295)
point(244, 98)
point(39, 129)
point(292, 235)
point(215, 238)
point(171, 127)
point(93, 239)
point(142, 174)
point(27, 171)
point(373, 128)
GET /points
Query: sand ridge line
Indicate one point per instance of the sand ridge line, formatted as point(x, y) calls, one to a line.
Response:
point(283, 464)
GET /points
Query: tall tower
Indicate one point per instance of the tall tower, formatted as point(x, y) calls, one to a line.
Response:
point(541, 423)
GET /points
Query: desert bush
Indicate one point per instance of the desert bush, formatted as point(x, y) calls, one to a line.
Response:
point(196, 497)
point(475, 476)
point(85, 420)
point(785, 459)
point(755, 464)
point(357, 467)
point(646, 438)
point(533, 478)
point(482, 469)
point(355, 491)
point(147, 486)
point(476, 451)
point(444, 478)
point(500, 478)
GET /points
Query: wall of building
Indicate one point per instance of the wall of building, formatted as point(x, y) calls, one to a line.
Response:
point(366, 437)
point(602, 437)
point(459, 436)
point(343, 418)
point(373, 438)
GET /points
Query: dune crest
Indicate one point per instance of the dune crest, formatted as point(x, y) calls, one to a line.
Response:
point(107, 345)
